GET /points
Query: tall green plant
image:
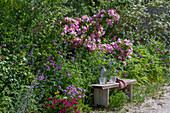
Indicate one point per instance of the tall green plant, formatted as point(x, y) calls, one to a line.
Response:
point(148, 20)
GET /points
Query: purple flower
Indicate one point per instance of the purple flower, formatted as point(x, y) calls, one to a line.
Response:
point(139, 38)
point(153, 46)
point(52, 64)
point(2, 45)
point(59, 21)
point(64, 91)
point(25, 46)
point(161, 52)
point(137, 48)
point(79, 89)
point(166, 63)
point(146, 65)
point(51, 61)
point(84, 90)
point(69, 74)
point(52, 57)
point(72, 58)
point(83, 95)
point(135, 52)
point(125, 75)
point(55, 65)
point(120, 57)
point(113, 39)
point(136, 62)
point(41, 77)
point(68, 93)
point(112, 52)
point(151, 62)
point(54, 42)
point(59, 68)
point(36, 37)
point(116, 70)
point(161, 58)
point(77, 92)
point(47, 67)
point(140, 56)
point(140, 43)
point(158, 49)
point(73, 94)
point(102, 11)
point(168, 51)
point(147, 44)
point(59, 87)
point(59, 52)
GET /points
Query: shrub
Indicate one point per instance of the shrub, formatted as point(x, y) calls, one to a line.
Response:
point(138, 19)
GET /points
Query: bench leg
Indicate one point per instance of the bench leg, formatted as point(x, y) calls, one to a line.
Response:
point(101, 97)
point(130, 92)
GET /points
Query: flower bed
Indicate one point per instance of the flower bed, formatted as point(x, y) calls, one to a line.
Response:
point(50, 66)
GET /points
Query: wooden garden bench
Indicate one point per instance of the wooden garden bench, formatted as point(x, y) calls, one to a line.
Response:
point(101, 92)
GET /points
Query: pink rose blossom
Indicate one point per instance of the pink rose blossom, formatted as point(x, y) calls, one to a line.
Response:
point(99, 40)
point(111, 12)
point(117, 17)
point(109, 21)
point(119, 41)
point(102, 11)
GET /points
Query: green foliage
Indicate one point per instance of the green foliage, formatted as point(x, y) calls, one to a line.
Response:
point(146, 64)
point(17, 32)
point(145, 20)
point(26, 50)
point(81, 7)
point(117, 99)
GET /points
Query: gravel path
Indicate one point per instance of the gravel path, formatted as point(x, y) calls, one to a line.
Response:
point(159, 104)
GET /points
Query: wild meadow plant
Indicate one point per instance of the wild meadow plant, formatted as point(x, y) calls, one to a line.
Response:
point(65, 65)
point(149, 59)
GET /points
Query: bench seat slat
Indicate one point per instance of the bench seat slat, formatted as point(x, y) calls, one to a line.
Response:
point(115, 85)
